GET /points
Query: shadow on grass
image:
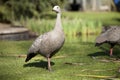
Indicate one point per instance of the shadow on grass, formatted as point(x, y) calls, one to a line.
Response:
point(106, 51)
point(117, 19)
point(41, 64)
point(98, 54)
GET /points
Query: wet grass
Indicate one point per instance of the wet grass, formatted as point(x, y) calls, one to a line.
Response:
point(76, 60)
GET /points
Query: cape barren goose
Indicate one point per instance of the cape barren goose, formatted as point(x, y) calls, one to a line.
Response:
point(49, 43)
point(110, 35)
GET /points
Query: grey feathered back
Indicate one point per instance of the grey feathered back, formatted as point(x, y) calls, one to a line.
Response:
point(49, 43)
point(111, 34)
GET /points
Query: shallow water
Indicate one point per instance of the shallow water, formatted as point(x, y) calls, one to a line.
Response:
point(81, 38)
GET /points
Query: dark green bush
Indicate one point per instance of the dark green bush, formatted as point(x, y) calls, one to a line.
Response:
point(13, 9)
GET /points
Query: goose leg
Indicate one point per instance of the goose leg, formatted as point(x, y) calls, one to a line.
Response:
point(111, 51)
point(49, 65)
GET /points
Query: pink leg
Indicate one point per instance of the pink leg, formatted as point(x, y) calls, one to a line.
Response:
point(49, 66)
point(111, 51)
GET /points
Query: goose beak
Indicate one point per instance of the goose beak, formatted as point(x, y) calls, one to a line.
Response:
point(53, 9)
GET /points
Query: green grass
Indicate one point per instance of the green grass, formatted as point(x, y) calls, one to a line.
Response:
point(105, 17)
point(14, 68)
point(88, 61)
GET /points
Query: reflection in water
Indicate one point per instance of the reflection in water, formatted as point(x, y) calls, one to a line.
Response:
point(81, 38)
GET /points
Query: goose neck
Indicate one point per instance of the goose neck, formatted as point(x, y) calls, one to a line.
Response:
point(58, 25)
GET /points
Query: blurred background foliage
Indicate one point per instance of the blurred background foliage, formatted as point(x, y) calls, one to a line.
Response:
point(15, 9)
point(36, 15)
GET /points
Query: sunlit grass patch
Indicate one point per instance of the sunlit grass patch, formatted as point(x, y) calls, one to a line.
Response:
point(79, 54)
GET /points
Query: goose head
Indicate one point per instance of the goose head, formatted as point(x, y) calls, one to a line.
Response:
point(56, 9)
